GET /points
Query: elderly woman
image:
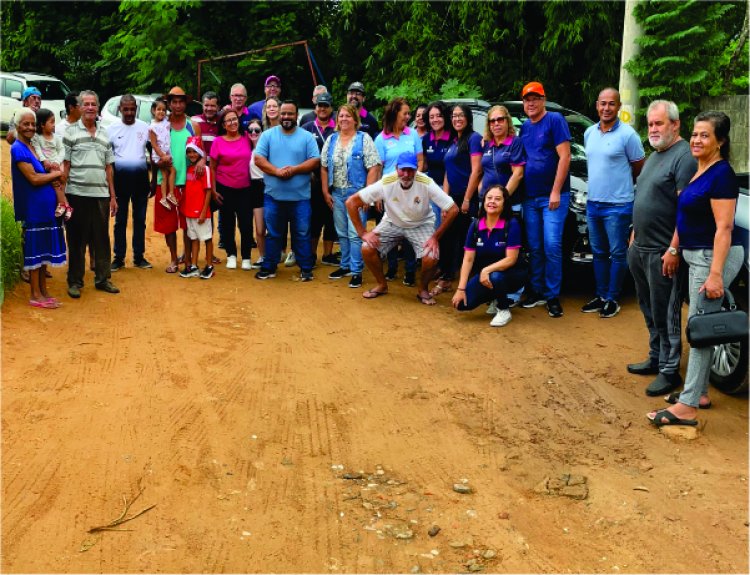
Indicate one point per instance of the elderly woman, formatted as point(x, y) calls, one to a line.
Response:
point(34, 201)
point(712, 249)
point(349, 161)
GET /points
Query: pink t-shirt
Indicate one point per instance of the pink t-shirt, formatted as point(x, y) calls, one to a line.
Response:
point(232, 162)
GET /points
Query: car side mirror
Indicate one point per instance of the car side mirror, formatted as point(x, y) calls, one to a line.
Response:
point(16, 95)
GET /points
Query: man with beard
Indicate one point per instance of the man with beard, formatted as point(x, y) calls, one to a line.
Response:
point(355, 96)
point(653, 255)
point(286, 154)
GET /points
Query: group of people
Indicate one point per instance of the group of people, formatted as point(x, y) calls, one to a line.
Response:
point(465, 205)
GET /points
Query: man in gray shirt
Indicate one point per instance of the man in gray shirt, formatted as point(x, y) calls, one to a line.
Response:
point(653, 255)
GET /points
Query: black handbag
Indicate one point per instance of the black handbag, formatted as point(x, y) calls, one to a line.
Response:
point(727, 325)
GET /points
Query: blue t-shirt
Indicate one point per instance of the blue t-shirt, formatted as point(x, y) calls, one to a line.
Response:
point(490, 245)
point(458, 166)
point(32, 204)
point(434, 154)
point(498, 162)
point(390, 147)
point(540, 141)
point(696, 225)
point(608, 156)
point(287, 150)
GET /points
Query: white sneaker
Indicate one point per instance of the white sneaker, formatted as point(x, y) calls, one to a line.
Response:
point(231, 262)
point(290, 260)
point(502, 317)
point(492, 308)
point(258, 263)
point(247, 265)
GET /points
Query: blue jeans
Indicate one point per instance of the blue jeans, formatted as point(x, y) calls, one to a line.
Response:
point(609, 228)
point(296, 214)
point(544, 233)
point(349, 242)
point(503, 283)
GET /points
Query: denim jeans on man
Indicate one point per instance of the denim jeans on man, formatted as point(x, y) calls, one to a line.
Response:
point(609, 229)
point(349, 242)
point(544, 232)
point(279, 214)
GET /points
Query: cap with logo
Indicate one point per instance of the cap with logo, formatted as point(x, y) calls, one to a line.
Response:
point(356, 87)
point(324, 99)
point(407, 160)
point(532, 88)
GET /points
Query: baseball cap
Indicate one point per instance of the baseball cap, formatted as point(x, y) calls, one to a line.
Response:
point(176, 92)
point(407, 160)
point(30, 91)
point(324, 99)
point(356, 87)
point(532, 88)
point(271, 79)
point(194, 143)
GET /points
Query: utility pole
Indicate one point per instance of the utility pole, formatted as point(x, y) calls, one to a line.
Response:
point(628, 84)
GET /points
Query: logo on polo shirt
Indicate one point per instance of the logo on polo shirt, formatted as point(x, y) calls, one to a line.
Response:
point(417, 200)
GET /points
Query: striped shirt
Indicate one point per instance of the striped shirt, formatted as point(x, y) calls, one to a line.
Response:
point(88, 157)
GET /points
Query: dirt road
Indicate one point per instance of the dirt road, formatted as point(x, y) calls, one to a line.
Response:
point(286, 427)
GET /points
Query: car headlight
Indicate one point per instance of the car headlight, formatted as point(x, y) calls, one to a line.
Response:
point(579, 193)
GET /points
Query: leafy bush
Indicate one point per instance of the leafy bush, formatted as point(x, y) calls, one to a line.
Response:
point(11, 248)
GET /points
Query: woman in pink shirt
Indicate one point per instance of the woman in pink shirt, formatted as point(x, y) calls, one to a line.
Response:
point(230, 167)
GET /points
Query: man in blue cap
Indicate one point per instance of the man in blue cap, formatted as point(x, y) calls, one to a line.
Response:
point(406, 196)
point(31, 98)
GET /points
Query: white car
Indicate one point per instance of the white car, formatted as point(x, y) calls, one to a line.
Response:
point(110, 111)
point(12, 85)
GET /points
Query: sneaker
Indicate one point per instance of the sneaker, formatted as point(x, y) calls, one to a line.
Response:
point(290, 260)
point(611, 309)
point(106, 286)
point(339, 273)
point(391, 275)
point(191, 272)
point(554, 308)
point(594, 305)
point(143, 264)
point(247, 265)
point(532, 299)
point(264, 275)
point(356, 281)
point(492, 308)
point(207, 273)
point(330, 260)
point(258, 263)
point(232, 262)
point(117, 264)
point(306, 276)
point(502, 317)
point(409, 279)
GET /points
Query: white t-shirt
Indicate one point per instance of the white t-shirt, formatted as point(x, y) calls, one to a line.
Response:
point(407, 208)
point(129, 144)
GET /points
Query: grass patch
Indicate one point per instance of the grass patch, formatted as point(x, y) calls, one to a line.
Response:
point(11, 248)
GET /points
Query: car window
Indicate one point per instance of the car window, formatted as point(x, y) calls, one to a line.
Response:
point(50, 89)
point(144, 111)
point(480, 121)
point(112, 107)
point(10, 86)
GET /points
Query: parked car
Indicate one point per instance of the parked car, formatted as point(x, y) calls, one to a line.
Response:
point(729, 368)
point(12, 85)
point(111, 109)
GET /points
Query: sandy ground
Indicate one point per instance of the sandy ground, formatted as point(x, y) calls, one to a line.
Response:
point(286, 427)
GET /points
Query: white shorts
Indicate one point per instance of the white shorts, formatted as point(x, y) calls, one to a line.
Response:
point(391, 234)
point(202, 232)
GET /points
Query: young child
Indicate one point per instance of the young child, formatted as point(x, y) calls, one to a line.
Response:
point(50, 150)
point(160, 142)
point(196, 207)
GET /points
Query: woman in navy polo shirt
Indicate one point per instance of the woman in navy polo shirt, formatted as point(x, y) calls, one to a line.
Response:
point(463, 172)
point(490, 269)
point(712, 249)
point(503, 155)
point(435, 144)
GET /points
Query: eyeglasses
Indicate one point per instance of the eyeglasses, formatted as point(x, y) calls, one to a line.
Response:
point(238, 96)
point(276, 86)
point(457, 116)
point(498, 120)
point(231, 121)
point(254, 130)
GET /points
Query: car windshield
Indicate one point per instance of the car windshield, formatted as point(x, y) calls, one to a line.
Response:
point(50, 89)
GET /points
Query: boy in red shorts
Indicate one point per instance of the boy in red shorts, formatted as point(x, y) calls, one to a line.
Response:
point(195, 206)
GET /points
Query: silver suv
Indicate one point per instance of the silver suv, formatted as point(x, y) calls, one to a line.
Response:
point(12, 85)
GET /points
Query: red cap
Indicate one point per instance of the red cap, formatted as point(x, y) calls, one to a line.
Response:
point(532, 88)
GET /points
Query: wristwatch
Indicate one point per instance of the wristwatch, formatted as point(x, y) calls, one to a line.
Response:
point(672, 250)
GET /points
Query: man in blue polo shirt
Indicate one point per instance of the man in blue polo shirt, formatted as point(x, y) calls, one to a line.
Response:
point(615, 156)
point(287, 154)
point(272, 88)
point(546, 138)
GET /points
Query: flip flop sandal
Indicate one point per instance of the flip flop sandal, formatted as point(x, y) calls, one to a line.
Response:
point(673, 398)
point(428, 300)
point(438, 289)
point(671, 418)
point(372, 294)
point(45, 304)
point(172, 268)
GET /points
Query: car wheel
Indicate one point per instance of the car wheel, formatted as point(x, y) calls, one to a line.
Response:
point(729, 366)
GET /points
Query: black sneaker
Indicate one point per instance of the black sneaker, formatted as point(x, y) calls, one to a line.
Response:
point(306, 276)
point(554, 308)
point(330, 260)
point(117, 264)
point(143, 264)
point(594, 305)
point(207, 273)
point(391, 275)
point(356, 281)
point(264, 275)
point(409, 279)
point(191, 272)
point(532, 299)
point(611, 309)
point(339, 273)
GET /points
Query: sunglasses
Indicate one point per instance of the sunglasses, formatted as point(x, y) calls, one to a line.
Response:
point(498, 120)
point(254, 130)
